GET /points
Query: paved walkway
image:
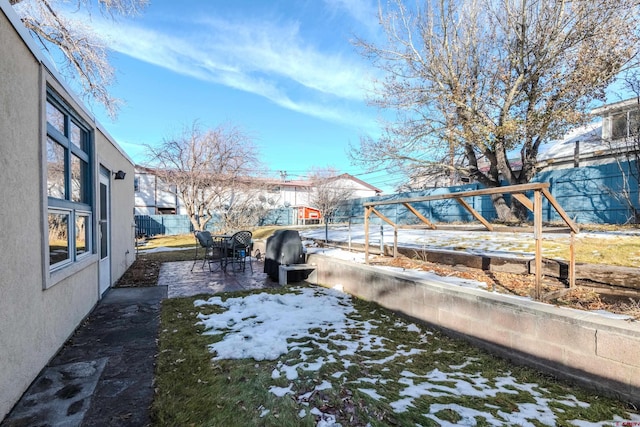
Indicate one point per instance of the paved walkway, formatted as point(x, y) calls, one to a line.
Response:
point(103, 376)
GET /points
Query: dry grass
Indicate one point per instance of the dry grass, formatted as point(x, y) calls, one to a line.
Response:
point(145, 269)
point(176, 241)
point(623, 251)
point(193, 389)
point(631, 307)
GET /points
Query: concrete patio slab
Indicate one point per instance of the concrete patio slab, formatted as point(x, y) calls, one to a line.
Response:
point(181, 281)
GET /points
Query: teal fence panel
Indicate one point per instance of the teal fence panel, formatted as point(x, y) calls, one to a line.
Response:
point(588, 194)
point(447, 210)
point(152, 225)
point(592, 194)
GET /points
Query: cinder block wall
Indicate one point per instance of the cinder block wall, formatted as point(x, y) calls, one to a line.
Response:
point(597, 351)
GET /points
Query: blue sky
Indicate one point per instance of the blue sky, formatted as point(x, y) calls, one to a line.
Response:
point(286, 71)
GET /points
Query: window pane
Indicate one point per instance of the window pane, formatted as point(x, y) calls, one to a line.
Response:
point(619, 126)
point(55, 170)
point(82, 233)
point(79, 179)
point(76, 135)
point(55, 117)
point(58, 237)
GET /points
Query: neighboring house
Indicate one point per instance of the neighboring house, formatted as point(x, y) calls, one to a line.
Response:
point(299, 193)
point(608, 137)
point(613, 132)
point(66, 224)
point(153, 197)
point(435, 176)
point(593, 171)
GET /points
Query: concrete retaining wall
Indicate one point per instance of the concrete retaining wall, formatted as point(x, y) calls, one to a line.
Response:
point(595, 350)
point(607, 275)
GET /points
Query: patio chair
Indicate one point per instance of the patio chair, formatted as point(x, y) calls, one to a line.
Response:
point(204, 241)
point(239, 249)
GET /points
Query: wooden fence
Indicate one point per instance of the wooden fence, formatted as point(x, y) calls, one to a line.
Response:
point(540, 191)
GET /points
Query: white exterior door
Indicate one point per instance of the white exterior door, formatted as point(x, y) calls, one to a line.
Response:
point(104, 241)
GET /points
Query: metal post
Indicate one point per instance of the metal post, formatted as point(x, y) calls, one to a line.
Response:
point(326, 230)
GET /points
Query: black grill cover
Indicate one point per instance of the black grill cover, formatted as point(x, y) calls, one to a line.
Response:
point(285, 247)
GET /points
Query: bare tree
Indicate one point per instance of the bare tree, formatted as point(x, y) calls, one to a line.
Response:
point(211, 171)
point(84, 54)
point(475, 82)
point(328, 190)
point(245, 208)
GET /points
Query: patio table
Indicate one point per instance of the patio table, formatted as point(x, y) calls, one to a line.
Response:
point(220, 242)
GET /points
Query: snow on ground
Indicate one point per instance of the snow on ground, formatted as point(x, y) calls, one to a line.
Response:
point(504, 244)
point(268, 326)
point(260, 325)
point(162, 249)
point(507, 244)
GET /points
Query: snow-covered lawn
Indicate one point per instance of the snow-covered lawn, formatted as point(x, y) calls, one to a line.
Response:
point(346, 361)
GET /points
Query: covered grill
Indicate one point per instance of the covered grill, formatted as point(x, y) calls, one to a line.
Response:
point(284, 247)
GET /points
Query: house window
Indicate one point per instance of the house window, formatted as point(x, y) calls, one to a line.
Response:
point(625, 124)
point(136, 184)
point(58, 237)
point(69, 192)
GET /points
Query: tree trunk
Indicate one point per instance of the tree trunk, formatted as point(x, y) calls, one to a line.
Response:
point(204, 221)
point(519, 211)
point(194, 222)
point(503, 210)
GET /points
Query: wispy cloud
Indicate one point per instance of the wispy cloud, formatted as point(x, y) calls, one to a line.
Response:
point(363, 11)
point(265, 59)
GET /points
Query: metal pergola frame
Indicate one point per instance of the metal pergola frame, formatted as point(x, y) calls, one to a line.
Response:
point(540, 190)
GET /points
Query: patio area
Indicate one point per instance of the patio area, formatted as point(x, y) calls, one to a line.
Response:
point(181, 281)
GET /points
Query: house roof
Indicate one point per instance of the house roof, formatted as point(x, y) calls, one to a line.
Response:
point(361, 182)
point(308, 183)
point(589, 136)
point(616, 106)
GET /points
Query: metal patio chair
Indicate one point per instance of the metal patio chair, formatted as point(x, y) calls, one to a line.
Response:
point(239, 249)
point(205, 242)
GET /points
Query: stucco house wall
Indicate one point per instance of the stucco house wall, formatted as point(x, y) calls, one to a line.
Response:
point(40, 309)
point(122, 239)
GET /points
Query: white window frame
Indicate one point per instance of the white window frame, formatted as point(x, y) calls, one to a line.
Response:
point(628, 131)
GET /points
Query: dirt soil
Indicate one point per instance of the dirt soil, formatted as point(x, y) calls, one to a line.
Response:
point(144, 272)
